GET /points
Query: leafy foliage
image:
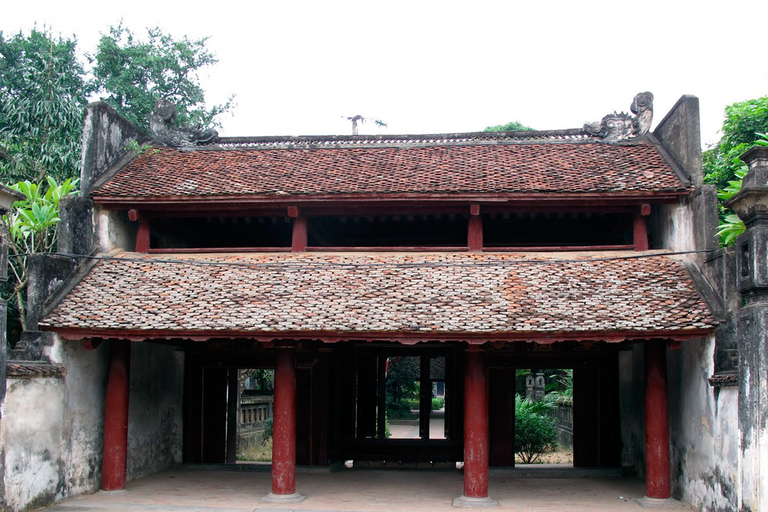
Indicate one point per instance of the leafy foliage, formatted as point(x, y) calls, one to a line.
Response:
point(32, 225)
point(535, 432)
point(43, 92)
point(743, 122)
point(512, 126)
point(42, 95)
point(744, 127)
point(731, 226)
point(402, 386)
point(131, 75)
point(269, 429)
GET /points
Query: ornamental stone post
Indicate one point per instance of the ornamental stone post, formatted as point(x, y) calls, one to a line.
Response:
point(751, 205)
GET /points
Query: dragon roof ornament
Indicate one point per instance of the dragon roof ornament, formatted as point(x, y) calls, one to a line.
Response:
point(164, 132)
point(622, 126)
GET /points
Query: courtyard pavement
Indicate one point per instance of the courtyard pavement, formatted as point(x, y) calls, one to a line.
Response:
point(239, 488)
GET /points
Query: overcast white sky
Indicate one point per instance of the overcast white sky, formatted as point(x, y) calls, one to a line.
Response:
point(298, 67)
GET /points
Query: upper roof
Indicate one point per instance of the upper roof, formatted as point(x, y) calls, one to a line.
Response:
point(393, 296)
point(567, 162)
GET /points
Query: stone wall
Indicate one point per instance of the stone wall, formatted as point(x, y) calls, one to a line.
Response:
point(155, 409)
point(704, 430)
point(631, 395)
point(51, 431)
point(704, 427)
point(32, 432)
point(53, 426)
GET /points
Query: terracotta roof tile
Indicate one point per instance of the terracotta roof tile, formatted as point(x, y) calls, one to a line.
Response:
point(564, 167)
point(384, 292)
point(33, 369)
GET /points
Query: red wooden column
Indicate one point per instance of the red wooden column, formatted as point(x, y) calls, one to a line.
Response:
point(299, 233)
point(476, 443)
point(284, 427)
point(116, 416)
point(143, 231)
point(475, 230)
point(657, 477)
point(640, 228)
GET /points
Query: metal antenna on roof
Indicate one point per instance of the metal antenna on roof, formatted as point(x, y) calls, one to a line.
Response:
point(361, 119)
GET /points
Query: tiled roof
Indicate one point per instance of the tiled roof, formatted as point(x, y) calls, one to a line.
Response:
point(416, 293)
point(33, 369)
point(581, 167)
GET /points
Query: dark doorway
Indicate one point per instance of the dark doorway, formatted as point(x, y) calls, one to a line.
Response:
point(405, 405)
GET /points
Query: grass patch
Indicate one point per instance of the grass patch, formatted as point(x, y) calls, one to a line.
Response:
point(257, 452)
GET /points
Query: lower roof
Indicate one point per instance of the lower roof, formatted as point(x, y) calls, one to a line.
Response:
point(398, 296)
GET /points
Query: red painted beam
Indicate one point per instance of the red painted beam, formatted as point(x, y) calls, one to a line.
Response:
point(238, 202)
point(476, 442)
point(116, 417)
point(393, 248)
point(284, 424)
point(657, 466)
point(412, 337)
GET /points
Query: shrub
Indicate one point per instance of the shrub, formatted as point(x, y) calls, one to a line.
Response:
point(437, 403)
point(535, 432)
point(268, 430)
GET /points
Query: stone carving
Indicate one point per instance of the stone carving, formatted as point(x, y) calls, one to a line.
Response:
point(163, 130)
point(622, 126)
point(642, 107)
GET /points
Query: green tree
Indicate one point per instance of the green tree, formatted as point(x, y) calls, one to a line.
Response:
point(731, 226)
point(132, 74)
point(512, 126)
point(743, 122)
point(744, 127)
point(42, 96)
point(402, 385)
point(32, 225)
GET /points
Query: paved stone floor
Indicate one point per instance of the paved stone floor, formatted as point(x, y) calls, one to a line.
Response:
point(197, 489)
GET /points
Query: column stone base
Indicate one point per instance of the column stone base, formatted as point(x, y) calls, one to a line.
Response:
point(467, 502)
point(647, 502)
point(283, 498)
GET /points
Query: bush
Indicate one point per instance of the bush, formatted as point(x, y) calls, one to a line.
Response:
point(268, 430)
point(437, 403)
point(535, 432)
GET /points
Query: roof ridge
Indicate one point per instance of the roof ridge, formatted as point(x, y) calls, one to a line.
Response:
point(566, 135)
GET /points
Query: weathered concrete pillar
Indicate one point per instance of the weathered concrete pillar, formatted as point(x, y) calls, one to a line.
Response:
point(657, 476)
point(751, 205)
point(476, 442)
point(76, 231)
point(7, 197)
point(113, 466)
point(284, 428)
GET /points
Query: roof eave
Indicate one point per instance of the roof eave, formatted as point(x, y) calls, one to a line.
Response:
point(405, 337)
point(523, 198)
